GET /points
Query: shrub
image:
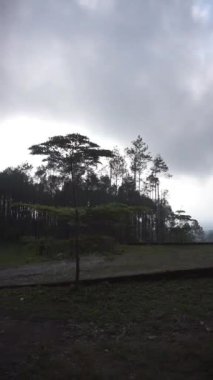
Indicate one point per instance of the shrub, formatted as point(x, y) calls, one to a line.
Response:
point(60, 248)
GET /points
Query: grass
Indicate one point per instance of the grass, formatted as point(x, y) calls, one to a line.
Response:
point(132, 330)
point(28, 250)
point(126, 259)
point(165, 257)
point(17, 254)
point(112, 302)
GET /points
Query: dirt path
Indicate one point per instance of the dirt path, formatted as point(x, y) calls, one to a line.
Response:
point(49, 272)
point(102, 267)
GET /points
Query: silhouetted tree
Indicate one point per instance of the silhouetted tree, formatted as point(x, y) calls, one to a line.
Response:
point(70, 157)
point(71, 177)
point(139, 157)
point(117, 167)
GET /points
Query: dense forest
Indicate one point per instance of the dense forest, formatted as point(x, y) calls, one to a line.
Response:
point(116, 195)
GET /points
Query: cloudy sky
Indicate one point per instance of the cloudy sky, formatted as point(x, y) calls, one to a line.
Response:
point(113, 69)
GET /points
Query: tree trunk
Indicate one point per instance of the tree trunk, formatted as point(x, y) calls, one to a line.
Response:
point(139, 182)
point(76, 246)
point(135, 179)
point(77, 255)
point(110, 174)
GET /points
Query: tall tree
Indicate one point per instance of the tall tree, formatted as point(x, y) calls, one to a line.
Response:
point(17, 183)
point(159, 166)
point(117, 167)
point(70, 157)
point(139, 157)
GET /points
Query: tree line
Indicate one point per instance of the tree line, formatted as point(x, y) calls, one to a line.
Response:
point(82, 188)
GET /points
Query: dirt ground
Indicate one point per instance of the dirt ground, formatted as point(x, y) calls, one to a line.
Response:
point(55, 350)
point(135, 330)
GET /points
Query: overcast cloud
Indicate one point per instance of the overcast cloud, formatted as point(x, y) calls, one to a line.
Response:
point(120, 67)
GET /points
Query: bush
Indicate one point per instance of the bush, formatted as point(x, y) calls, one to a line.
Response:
point(59, 248)
point(97, 244)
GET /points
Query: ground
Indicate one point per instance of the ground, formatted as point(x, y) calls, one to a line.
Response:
point(134, 330)
point(127, 260)
point(129, 330)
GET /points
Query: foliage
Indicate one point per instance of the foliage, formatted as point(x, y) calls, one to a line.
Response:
point(60, 248)
point(139, 157)
point(70, 155)
point(117, 167)
point(121, 199)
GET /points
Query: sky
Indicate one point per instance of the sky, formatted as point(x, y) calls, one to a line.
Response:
point(113, 69)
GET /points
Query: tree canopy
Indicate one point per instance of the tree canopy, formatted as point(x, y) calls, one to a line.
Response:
point(70, 155)
point(77, 172)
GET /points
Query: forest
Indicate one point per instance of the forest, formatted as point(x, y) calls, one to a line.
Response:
point(94, 192)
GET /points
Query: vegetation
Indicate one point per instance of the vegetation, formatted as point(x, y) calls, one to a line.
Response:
point(70, 197)
point(82, 200)
point(70, 157)
point(120, 195)
point(100, 257)
point(14, 254)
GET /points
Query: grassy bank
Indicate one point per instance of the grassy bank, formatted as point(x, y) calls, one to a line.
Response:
point(30, 250)
point(17, 254)
point(129, 257)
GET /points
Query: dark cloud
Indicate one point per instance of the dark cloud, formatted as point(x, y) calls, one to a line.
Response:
point(123, 67)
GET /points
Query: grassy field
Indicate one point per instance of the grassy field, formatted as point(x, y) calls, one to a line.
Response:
point(126, 257)
point(28, 252)
point(165, 257)
point(134, 330)
point(17, 254)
